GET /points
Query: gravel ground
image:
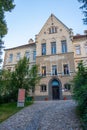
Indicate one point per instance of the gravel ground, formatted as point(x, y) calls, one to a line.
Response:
point(45, 115)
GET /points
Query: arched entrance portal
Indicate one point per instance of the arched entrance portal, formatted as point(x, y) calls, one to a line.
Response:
point(55, 89)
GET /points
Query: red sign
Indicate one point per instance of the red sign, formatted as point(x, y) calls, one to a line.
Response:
point(21, 97)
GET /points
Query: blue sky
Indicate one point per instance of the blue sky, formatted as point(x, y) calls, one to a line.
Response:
point(28, 17)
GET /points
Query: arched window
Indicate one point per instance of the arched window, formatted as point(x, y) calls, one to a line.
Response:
point(52, 29)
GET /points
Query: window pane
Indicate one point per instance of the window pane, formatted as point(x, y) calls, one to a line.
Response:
point(64, 46)
point(78, 50)
point(53, 48)
point(67, 87)
point(43, 88)
point(34, 55)
point(18, 56)
point(44, 71)
point(44, 49)
point(86, 49)
point(11, 58)
point(52, 29)
point(27, 54)
point(54, 70)
point(65, 69)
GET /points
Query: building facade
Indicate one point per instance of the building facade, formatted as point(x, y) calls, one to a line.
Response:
point(54, 52)
point(80, 49)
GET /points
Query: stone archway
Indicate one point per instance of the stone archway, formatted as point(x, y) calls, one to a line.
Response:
point(55, 89)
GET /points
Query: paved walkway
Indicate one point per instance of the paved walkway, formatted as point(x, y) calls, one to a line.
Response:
point(44, 115)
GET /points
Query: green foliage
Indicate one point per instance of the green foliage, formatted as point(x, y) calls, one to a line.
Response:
point(80, 91)
point(84, 8)
point(22, 77)
point(5, 6)
point(8, 109)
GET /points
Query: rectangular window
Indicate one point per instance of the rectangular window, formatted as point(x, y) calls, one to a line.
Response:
point(43, 88)
point(64, 46)
point(65, 69)
point(78, 52)
point(27, 55)
point(44, 49)
point(86, 49)
point(43, 70)
point(54, 70)
point(34, 55)
point(52, 29)
point(18, 56)
point(53, 48)
point(9, 69)
point(10, 57)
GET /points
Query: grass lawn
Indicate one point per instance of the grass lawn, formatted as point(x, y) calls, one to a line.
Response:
point(8, 109)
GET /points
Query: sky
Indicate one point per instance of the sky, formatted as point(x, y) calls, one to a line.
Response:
point(29, 16)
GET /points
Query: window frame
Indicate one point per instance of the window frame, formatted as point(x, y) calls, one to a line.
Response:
point(66, 72)
point(11, 58)
point(67, 87)
point(53, 69)
point(27, 56)
point(64, 46)
point(34, 55)
point(43, 88)
point(43, 49)
point(78, 50)
point(52, 30)
point(86, 48)
point(43, 72)
point(53, 48)
point(18, 56)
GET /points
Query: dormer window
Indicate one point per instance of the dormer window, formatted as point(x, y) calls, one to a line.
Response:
point(52, 29)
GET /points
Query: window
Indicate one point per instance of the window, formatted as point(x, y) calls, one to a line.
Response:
point(43, 88)
point(86, 48)
point(10, 57)
point(44, 49)
point(52, 29)
point(67, 87)
point(64, 46)
point(78, 52)
point(9, 69)
point(27, 55)
point(34, 55)
point(54, 70)
point(53, 48)
point(43, 70)
point(65, 69)
point(18, 56)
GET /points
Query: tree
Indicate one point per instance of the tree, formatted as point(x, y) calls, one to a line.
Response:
point(84, 8)
point(5, 6)
point(23, 77)
point(80, 91)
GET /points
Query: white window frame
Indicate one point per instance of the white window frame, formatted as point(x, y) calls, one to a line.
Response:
point(18, 57)
point(78, 49)
point(10, 57)
point(86, 48)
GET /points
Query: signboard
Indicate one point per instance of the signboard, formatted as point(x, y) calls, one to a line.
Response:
point(21, 98)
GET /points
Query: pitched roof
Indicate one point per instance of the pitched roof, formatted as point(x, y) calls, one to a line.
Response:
point(79, 36)
point(52, 15)
point(22, 46)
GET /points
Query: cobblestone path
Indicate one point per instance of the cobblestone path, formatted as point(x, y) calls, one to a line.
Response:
point(45, 115)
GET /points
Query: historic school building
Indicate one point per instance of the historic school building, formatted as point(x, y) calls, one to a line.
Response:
point(57, 52)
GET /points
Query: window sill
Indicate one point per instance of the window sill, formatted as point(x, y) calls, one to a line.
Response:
point(65, 75)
